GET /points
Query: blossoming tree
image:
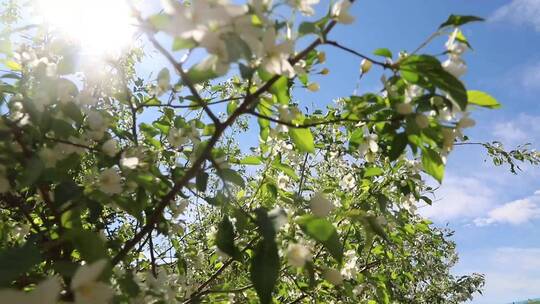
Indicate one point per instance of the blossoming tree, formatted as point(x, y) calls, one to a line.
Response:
point(114, 189)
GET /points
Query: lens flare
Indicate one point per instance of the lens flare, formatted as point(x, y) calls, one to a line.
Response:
point(100, 27)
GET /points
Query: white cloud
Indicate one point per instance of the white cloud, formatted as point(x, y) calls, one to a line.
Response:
point(516, 212)
point(509, 132)
point(520, 12)
point(523, 129)
point(511, 273)
point(460, 197)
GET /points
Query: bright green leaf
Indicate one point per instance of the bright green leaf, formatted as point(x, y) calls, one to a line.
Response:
point(303, 139)
point(483, 99)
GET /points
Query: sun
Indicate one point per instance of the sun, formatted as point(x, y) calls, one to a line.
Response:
point(100, 27)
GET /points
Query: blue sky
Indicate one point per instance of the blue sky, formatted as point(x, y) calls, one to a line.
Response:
point(506, 63)
point(496, 214)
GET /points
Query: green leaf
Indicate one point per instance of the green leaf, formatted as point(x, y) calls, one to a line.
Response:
point(285, 169)
point(264, 270)
point(323, 232)
point(307, 28)
point(251, 160)
point(201, 73)
point(427, 71)
point(280, 88)
point(16, 261)
point(181, 44)
point(231, 107)
point(66, 191)
point(458, 20)
point(128, 285)
point(32, 171)
point(383, 52)
point(164, 78)
point(433, 164)
point(399, 143)
point(483, 99)
point(225, 238)
point(303, 139)
point(232, 176)
point(373, 171)
point(88, 243)
point(160, 21)
point(237, 48)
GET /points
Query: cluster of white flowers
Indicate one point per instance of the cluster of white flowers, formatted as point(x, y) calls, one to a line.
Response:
point(177, 137)
point(178, 207)
point(350, 269)
point(333, 276)
point(29, 58)
point(283, 181)
point(298, 255)
point(412, 92)
point(320, 205)
point(369, 147)
point(348, 182)
point(110, 147)
point(97, 124)
point(304, 6)
point(455, 65)
point(110, 181)
point(85, 286)
point(210, 23)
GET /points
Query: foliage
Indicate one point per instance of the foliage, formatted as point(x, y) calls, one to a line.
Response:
point(155, 194)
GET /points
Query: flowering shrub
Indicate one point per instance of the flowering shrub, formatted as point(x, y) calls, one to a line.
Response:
point(114, 189)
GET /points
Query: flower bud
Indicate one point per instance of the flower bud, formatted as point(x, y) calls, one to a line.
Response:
point(313, 87)
point(365, 66)
point(321, 57)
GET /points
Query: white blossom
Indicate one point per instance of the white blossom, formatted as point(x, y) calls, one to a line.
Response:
point(333, 276)
point(320, 205)
point(87, 288)
point(369, 146)
point(46, 292)
point(304, 6)
point(455, 66)
point(129, 162)
point(178, 208)
point(298, 255)
point(110, 147)
point(95, 120)
point(278, 216)
point(283, 181)
point(340, 12)
point(455, 46)
point(110, 181)
point(276, 57)
point(176, 137)
point(350, 269)
point(348, 182)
